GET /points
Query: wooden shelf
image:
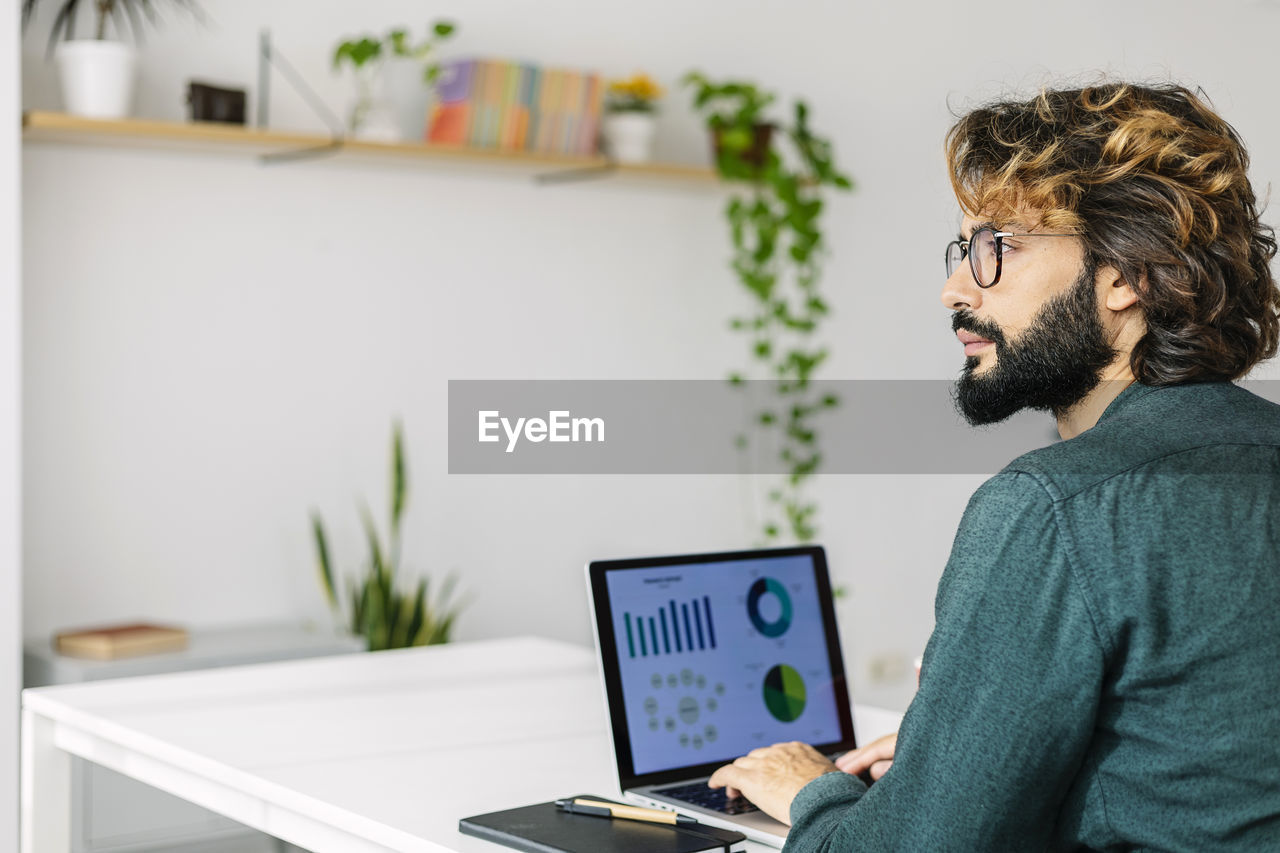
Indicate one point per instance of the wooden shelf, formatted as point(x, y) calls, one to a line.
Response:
point(213, 138)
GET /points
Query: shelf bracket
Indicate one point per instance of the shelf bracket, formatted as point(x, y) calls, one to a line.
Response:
point(268, 58)
point(585, 173)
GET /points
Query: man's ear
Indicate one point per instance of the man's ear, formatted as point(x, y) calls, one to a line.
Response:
point(1115, 291)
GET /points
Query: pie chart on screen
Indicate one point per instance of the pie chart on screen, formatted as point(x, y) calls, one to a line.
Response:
point(769, 607)
point(784, 693)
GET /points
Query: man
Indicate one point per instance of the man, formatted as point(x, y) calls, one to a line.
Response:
point(1105, 667)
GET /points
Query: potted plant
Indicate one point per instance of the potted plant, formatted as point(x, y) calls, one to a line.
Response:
point(734, 113)
point(628, 125)
point(386, 615)
point(97, 75)
point(779, 172)
point(393, 81)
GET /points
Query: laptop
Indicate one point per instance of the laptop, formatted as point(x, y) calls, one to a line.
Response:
point(706, 657)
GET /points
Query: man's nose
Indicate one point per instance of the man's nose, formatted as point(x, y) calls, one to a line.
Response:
point(961, 291)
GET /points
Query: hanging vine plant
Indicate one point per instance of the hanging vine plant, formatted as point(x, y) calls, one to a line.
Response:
point(779, 173)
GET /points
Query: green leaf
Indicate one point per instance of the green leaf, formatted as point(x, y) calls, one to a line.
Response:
point(391, 615)
point(801, 435)
point(399, 480)
point(440, 616)
point(443, 29)
point(375, 624)
point(322, 554)
point(399, 42)
point(414, 627)
point(376, 560)
point(693, 78)
point(357, 606)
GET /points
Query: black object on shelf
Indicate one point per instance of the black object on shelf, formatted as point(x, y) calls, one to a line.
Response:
point(213, 103)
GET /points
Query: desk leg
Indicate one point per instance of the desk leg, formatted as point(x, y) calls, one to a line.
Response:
point(46, 788)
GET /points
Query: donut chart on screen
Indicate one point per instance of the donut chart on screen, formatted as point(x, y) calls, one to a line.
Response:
point(784, 693)
point(759, 589)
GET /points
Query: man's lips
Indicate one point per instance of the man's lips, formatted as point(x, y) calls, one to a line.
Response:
point(973, 344)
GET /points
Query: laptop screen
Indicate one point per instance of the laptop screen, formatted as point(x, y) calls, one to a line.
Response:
point(708, 657)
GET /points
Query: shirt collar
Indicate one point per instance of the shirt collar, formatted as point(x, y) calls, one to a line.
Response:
point(1135, 391)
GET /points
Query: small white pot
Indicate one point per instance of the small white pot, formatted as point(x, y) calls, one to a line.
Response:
point(628, 136)
point(97, 77)
point(410, 96)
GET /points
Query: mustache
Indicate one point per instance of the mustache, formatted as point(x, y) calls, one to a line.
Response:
point(967, 320)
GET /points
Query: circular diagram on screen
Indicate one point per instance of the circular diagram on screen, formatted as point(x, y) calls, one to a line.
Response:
point(683, 710)
point(760, 608)
point(784, 693)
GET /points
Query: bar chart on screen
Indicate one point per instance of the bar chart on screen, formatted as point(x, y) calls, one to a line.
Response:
point(676, 628)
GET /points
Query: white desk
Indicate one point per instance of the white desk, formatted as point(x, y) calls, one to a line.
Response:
point(366, 752)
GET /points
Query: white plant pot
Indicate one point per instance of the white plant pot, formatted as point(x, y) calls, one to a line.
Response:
point(97, 77)
point(410, 96)
point(628, 136)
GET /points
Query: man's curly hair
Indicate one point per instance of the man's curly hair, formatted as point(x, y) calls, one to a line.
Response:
point(1156, 184)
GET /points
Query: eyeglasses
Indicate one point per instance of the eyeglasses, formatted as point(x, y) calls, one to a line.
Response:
point(985, 251)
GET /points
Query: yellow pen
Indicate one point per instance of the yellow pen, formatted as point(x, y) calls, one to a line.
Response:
point(602, 809)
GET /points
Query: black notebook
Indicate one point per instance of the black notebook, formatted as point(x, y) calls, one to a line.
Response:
point(545, 829)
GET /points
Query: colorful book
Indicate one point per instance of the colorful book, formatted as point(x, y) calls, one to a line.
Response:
point(514, 106)
point(476, 96)
point(568, 109)
point(526, 105)
point(451, 113)
point(552, 126)
point(592, 109)
point(510, 106)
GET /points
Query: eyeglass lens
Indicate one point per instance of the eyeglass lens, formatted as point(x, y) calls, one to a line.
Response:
point(983, 253)
point(984, 256)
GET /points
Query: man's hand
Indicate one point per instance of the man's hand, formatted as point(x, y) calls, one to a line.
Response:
point(876, 757)
point(771, 776)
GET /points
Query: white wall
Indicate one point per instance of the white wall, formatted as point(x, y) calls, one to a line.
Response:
point(212, 348)
point(10, 423)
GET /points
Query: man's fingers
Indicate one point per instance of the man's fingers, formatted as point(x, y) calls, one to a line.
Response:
point(859, 760)
point(878, 769)
point(724, 777)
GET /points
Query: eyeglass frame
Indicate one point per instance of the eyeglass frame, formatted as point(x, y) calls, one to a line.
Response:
point(966, 251)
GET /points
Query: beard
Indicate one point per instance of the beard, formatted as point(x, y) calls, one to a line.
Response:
point(1050, 367)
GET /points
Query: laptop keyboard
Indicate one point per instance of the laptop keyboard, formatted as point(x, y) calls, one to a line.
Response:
point(699, 794)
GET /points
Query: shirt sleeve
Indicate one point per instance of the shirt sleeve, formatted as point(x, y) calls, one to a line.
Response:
point(1008, 696)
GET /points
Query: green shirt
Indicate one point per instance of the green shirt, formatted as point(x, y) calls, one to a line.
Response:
point(1105, 667)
